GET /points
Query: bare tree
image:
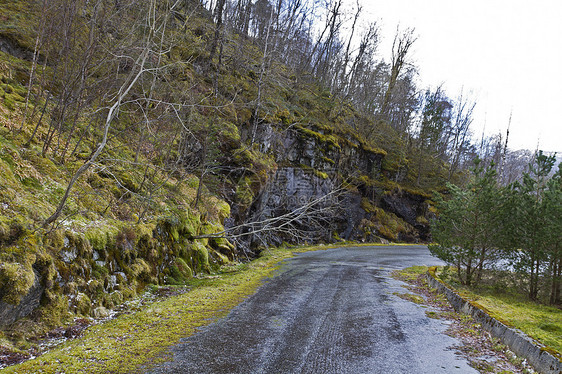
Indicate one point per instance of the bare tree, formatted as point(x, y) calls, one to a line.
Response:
point(154, 25)
point(218, 14)
point(304, 223)
point(459, 141)
point(400, 48)
point(263, 69)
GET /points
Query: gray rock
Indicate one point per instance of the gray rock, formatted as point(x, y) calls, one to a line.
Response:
point(101, 312)
point(123, 275)
point(10, 313)
point(111, 282)
point(68, 256)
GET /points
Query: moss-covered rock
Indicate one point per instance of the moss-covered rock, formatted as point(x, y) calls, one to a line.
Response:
point(15, 281)
point(82, 304)
point(200, 254)
point(180, 272)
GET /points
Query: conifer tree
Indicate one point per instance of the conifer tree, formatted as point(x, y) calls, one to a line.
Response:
point(553, 212)
point(528, 222)
point(465, 230)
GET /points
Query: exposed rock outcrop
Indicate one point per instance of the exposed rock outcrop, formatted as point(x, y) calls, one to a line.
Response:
point(28, 303)
point(346, 180)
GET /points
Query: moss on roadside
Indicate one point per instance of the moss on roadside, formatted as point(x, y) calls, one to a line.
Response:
point(115, 346)
point(541, 322)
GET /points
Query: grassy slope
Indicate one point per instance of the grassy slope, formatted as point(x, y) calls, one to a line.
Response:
point(541, 322)
point(308, 108)
point(99, 214)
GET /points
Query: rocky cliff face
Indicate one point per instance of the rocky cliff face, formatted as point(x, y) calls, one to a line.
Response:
point(339, 182)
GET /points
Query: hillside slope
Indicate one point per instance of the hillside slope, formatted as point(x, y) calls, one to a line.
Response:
point(197, 144)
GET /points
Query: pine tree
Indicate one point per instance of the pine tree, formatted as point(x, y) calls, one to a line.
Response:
point(552, 203)
point(528, 222)
point(465, 230)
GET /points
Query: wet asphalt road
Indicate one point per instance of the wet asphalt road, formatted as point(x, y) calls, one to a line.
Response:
point(329, 311)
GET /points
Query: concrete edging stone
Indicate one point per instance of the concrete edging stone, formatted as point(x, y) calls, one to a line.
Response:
point(536, 353)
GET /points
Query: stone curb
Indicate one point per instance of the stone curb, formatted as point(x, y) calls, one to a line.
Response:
point(536, 353)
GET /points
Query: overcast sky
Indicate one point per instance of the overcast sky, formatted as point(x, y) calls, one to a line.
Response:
point(508, 53)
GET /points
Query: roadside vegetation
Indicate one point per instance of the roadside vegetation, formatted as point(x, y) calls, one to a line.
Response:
point(143, 332)
point(510, 304)
point(505, 237)
point(502, 246)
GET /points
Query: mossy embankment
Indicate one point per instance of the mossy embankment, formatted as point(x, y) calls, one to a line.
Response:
point(129, 222)
point(132, 341)
point(100, 254)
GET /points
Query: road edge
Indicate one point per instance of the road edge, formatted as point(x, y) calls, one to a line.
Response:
point(537, 354)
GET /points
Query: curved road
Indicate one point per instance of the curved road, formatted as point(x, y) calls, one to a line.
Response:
point(331, 311)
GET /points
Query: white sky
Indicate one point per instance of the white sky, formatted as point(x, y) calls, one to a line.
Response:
point(507, 52)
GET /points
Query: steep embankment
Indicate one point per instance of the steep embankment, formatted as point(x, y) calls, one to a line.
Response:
point(188, 139)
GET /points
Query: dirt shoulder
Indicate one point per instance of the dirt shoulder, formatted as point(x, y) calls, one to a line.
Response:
point(484, 352)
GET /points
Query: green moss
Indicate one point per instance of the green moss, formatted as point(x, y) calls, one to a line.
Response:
point(416, 192)
point(180, 272)
point(388, 224)
point(115, 298)
point(320, 174)
point(368, 206)
point(101, 237)
point(422, 220)
point(223, 245)
point(411, 297)
point(244, 194)
point(328, 160)
point(217, 258)
point(155, 328)
point(229, 134)
point(140, 269)
point(54, 313)
point(82, 304)
point(9, 102)
point(223, 210)
point(200, 256)
point(14, 97)
point(15, 281)
point(330, 140)
point(373, 150)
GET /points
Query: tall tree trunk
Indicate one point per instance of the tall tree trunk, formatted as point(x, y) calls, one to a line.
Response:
point(400, 47)
point(218, 28)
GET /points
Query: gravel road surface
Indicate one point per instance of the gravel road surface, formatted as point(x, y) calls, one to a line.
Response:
point(329, 311)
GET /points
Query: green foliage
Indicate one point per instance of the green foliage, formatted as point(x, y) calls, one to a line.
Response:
point(523, 220)
point(467, 225)
point(533, 221)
